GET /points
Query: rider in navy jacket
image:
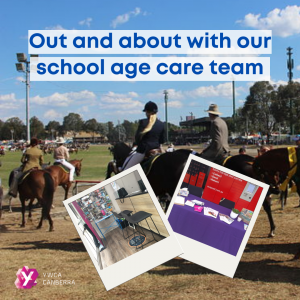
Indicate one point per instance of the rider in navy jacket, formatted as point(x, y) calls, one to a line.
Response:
point(152, 139)
point(149, 136)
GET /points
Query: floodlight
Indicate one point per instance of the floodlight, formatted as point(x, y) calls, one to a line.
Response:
point(20, 67)
point(21, 57)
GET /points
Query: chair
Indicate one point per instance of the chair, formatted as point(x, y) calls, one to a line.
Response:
point(195, 190)
point(142, 186)
point(120, 216)
point(184, 185)
point(227, 203)
point(136, 219)
point(122, 194)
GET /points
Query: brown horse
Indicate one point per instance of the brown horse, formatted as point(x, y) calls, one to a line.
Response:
point(38, 184)
point(273, 168)
point(73, 150)
point(61, 177)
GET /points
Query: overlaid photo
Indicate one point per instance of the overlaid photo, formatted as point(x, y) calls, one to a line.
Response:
point(123, 227)
point(213, 212)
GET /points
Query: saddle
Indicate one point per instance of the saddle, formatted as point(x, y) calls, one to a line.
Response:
point(25, 174)
point(148, 163)
point(151, 153)
point(64, 168)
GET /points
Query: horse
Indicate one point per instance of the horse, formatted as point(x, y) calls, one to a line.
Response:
point(11, 177)
point(277, 173)
point(61, 177)
point(1, 199)
point(244, 164)
point(165, 174)
point(37, 184)
point(120, 152)
point(73, 150)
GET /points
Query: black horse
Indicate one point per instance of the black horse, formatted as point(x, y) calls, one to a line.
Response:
point(168, 167)
point(164, 174)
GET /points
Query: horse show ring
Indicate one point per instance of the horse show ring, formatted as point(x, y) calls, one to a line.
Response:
point(265, 271)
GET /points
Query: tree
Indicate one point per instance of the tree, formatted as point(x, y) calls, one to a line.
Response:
point(110, 129)
point(103, 128)
point(36, 128)
point(130, 129)
point(17, 126)
point(73, 122)
point(1, 126)
point(52, 129)
point(286, 108)
point(258, 107)
point(91, 126)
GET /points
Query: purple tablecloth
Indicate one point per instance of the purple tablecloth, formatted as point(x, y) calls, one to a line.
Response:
point(205, 229)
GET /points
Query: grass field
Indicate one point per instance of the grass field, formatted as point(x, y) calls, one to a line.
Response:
point(266, 270)
point(93, 165)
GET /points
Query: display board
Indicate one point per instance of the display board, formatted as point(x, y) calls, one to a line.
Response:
point(96, 205)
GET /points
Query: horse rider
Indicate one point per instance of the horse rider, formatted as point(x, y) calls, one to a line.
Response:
point(32, 158)
point(149, 136)
point(61, 155)
point(218, 148)
point(170, 148)
point(262, 150)
point(242, 151)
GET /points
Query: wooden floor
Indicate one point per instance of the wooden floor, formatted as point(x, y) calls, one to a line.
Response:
point(117, 248)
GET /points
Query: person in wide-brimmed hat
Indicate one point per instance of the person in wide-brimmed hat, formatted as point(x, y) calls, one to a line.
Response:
point(218, 148)
point(149, 136)
point(61, 155)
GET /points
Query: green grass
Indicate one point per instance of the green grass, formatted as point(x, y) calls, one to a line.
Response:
point(94, 163)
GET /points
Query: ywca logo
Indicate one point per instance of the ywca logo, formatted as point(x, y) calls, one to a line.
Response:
point(26, 278)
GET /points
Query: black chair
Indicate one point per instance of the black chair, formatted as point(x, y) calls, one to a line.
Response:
point(184, 185)
point(122, 193)
point(142, 186)
point(120, 216)
point(136, 219)
point(195, 190)
point(227, 203)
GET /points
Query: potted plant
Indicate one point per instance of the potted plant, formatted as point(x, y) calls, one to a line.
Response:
point(234, 213)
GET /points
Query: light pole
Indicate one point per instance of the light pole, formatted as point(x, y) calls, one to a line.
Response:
point(290, 66)
point(12, 134)
point(52, 131)
point(23, 66)
point(166, 111)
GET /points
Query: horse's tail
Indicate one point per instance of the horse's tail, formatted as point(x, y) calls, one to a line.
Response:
point(11, 177)
point(1, 198)
point(109, 170)
point(48, 193)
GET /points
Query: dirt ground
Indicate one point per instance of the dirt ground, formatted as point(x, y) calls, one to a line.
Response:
point(266, 270)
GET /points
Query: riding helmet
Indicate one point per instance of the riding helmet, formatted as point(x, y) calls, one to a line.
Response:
point(151, 106)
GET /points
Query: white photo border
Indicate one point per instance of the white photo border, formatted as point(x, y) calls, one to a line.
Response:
point(143, 260)
point(203, 254)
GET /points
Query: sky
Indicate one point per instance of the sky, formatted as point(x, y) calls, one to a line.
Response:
point(118, 101)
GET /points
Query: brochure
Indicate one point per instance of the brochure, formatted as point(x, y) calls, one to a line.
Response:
point(210, 212)
point(225, 218)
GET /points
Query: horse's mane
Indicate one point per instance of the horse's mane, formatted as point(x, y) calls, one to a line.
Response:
point(187, 151)
point(121, 150)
